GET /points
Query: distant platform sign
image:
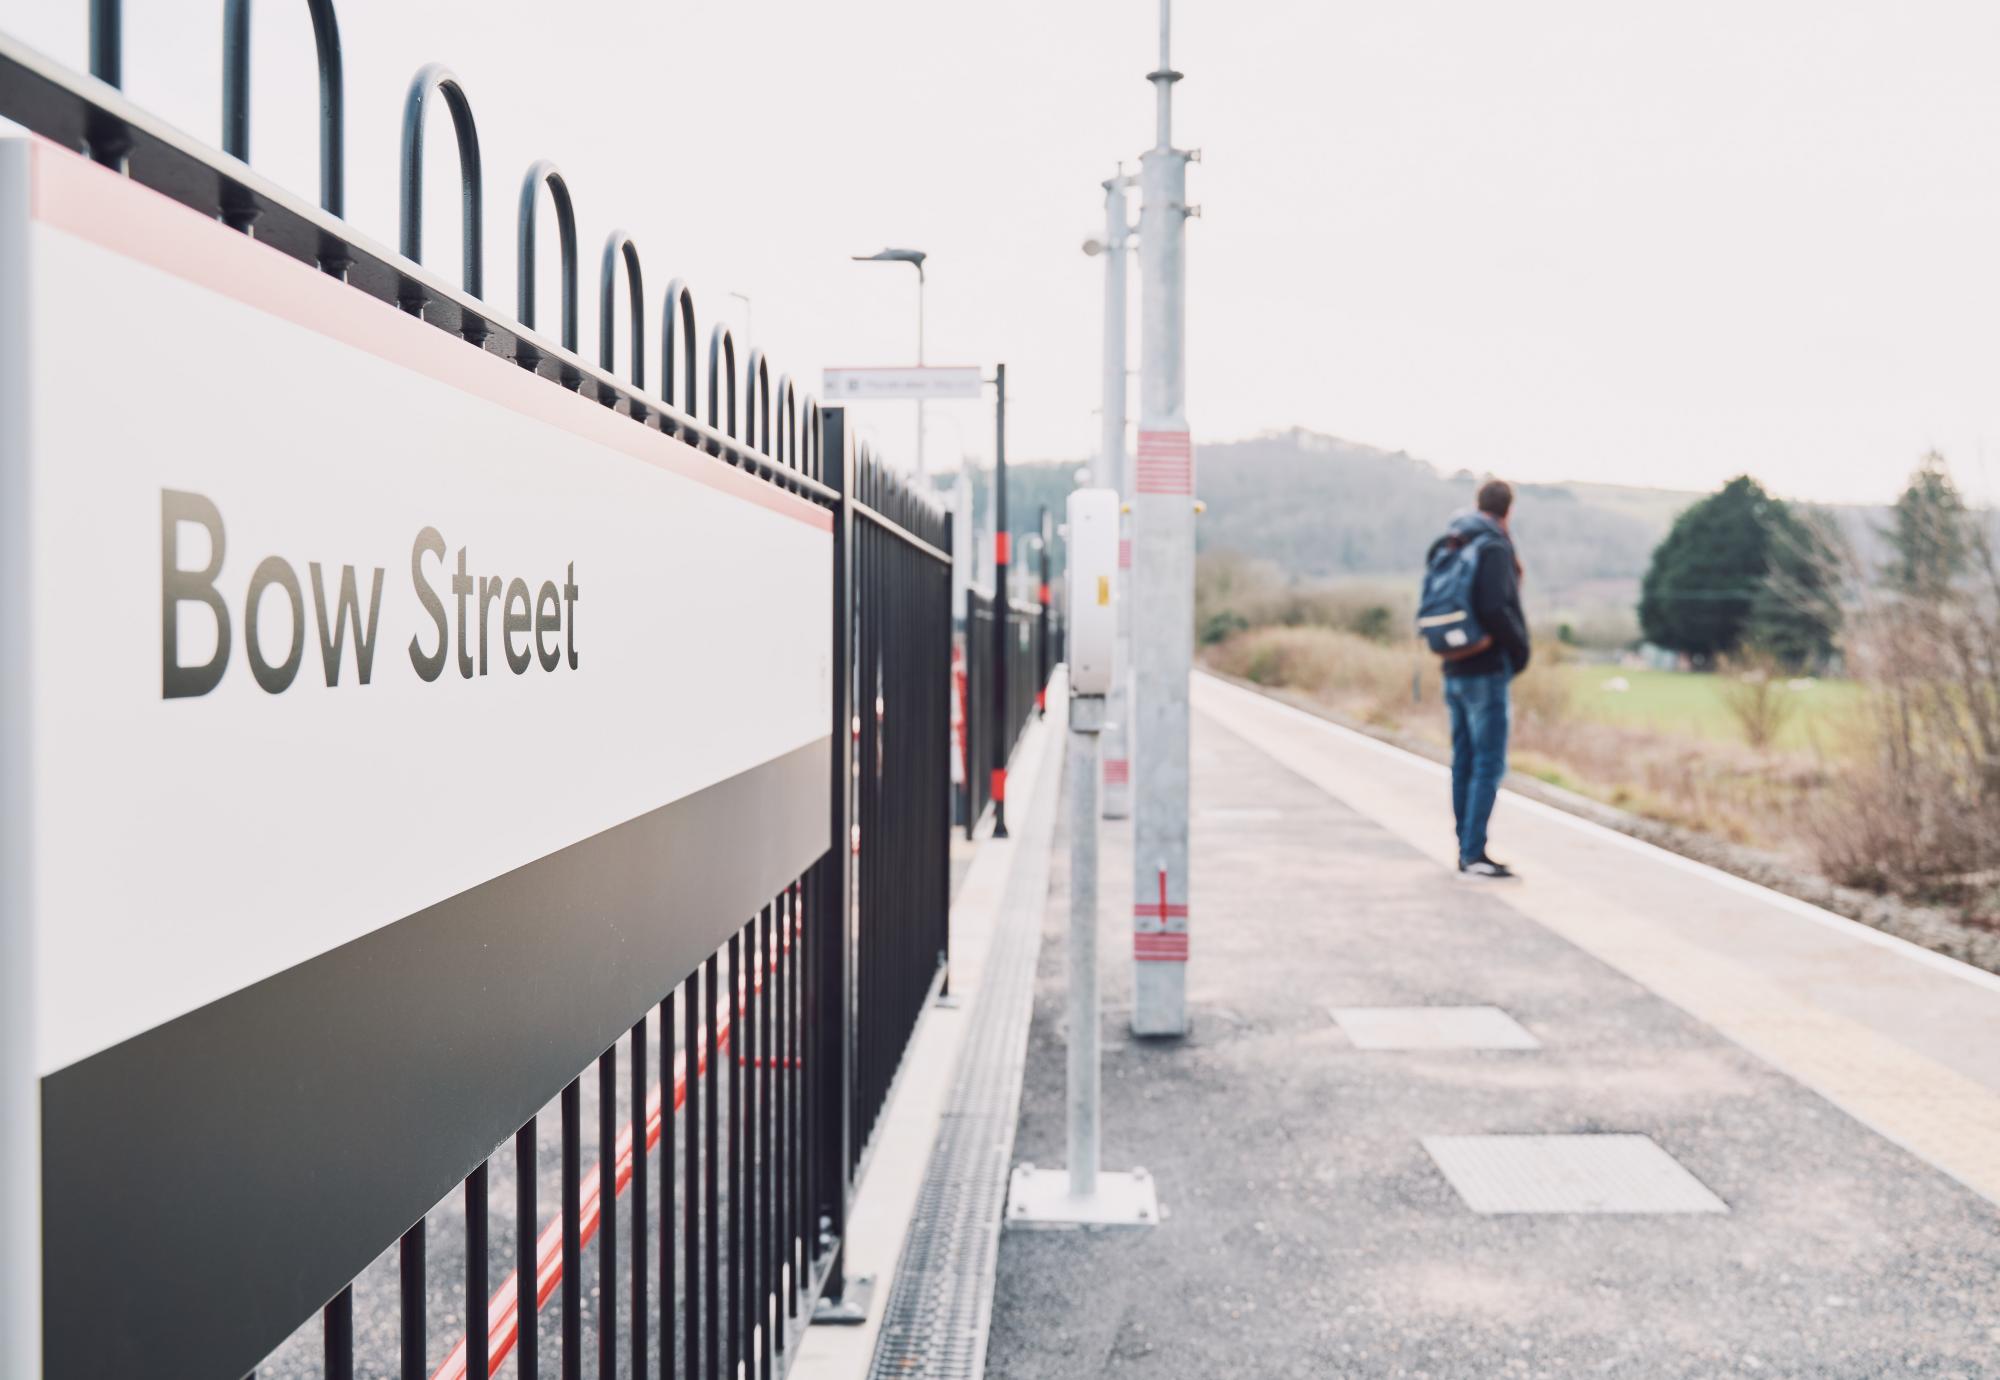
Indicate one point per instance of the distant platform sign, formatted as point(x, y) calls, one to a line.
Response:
point(920, 382)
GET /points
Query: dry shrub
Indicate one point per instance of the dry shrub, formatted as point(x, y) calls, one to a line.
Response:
point(1234, 593)
point(1919, 812)
point(1906, 830)
point(1542, 698)
point(1346, 669)
point(1757, 696)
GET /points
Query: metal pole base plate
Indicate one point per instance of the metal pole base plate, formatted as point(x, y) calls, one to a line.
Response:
point(1039, 1199)
point(850, 1309)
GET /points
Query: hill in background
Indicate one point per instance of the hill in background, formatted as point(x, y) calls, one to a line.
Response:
point(1322, 508)
point(1327, 511)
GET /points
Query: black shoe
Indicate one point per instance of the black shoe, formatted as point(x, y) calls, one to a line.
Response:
point(1486, 867)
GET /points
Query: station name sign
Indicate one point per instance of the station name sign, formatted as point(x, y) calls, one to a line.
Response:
point(527, 625)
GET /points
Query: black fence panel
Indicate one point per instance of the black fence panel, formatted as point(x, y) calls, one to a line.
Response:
point(679, 1212)
point(1027, 678)
point(902, 771)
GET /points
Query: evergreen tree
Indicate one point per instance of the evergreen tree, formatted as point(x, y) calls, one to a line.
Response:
point(1706, 575)
point(1929, 532)
point(1796, 614)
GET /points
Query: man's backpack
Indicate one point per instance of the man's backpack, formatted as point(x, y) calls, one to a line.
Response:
point(1445, 619)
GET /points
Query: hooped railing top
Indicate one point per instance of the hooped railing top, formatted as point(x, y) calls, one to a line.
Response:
point(332, 97)
point(435, 79)
point(542, 172)
point(93, 116)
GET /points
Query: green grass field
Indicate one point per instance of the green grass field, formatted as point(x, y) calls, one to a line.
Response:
point(1693, 704)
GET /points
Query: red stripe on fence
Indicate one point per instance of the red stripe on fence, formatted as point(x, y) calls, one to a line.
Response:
point(1124, 553)
point(999, 783)
point(1000, 547)
point(1117, 771)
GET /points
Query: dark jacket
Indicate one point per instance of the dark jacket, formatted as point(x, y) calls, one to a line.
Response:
point(1496, 597)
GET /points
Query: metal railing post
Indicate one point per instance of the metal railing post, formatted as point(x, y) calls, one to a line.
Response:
point(1003, 629)
point(841, 1300)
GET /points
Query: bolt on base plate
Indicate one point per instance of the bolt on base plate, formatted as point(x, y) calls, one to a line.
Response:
point(1039, 1199)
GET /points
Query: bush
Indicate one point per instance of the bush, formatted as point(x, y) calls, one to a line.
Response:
point(1339, 665)
point(1756, 695)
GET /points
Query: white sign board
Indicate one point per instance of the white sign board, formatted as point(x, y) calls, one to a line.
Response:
point(381, 725)
point(926, 383)
point(563, 619)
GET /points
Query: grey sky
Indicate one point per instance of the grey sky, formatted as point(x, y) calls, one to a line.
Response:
point(1633, 243)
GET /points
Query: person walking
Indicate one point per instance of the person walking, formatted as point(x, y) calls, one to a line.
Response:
point(1478, 669)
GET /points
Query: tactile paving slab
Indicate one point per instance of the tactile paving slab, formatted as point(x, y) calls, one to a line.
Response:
point(1432, 1027)
point(1568, 1174)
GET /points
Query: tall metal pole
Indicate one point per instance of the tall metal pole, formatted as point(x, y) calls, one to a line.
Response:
point(1086, 716)
point(921, 471)
point(1163, 584)
point(1002, 609)
point(1114, 471)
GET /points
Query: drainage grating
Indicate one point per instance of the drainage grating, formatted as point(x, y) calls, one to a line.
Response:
point(941, 1304)
point(1567, 1174)
point(1431, 1027)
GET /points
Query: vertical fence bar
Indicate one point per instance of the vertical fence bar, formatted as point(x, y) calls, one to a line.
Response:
point(572, 1240)
point(337, 1323)
point(712, 1284)
point(527, 1262)
point(607, 1214)
point(475, 1274)
point(734, 1304)
point(691, 1180)
point(835, 1024)
point(669, 1121)
point(767, 1239)
point(410, 1259)
point(637, 1122)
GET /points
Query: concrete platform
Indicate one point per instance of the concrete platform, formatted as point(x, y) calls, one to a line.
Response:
point(1838, 1094)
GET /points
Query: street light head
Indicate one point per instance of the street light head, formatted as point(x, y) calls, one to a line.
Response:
point(1093, 246)
point(894, 256)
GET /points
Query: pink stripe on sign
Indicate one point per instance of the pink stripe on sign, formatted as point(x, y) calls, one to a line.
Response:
point(1124, 553)
point(72, 194)
point(1165, 463)
point(1117, 771)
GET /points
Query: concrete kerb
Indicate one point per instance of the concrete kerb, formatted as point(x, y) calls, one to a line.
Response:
point(885, 1202)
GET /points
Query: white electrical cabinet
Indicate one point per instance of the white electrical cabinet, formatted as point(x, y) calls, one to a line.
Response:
point(1093, 589)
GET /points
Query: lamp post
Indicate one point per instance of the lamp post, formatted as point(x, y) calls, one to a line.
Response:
point(915, 259)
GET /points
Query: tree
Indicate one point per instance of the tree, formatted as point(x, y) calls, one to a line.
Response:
point(1739, 565)
point(1796, 614)
point(1929, 532)
point(1706, 574)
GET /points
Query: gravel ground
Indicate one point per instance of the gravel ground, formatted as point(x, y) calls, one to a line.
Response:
point(1307, 1233)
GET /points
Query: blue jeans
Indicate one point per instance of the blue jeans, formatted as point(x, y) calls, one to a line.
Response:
point(1479, 714)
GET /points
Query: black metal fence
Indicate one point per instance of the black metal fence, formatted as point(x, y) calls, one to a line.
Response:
point(679, 1212)
point(1026, 676)
point(901, 573)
